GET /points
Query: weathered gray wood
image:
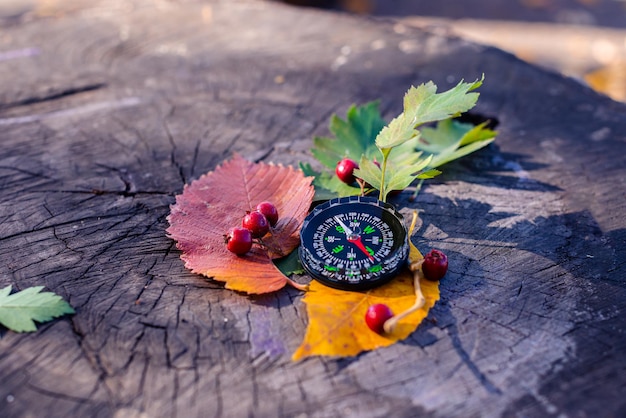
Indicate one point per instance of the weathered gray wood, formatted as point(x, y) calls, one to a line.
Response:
point(107, 110)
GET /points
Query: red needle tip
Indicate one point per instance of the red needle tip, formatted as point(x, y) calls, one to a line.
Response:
point(357, 241)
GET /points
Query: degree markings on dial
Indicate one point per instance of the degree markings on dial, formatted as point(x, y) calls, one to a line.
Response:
point(343, 224)
point(331, 238)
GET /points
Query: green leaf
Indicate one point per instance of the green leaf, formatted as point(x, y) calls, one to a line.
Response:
point(461, 152)
point(328, 151)
point(369, 172)
point(19, 310)
point(429, 174)
point(404, 152)
point(327, 185)
point(433, 107)
point(353, 137)
point(450, 140)
point(422, 104)
point(407, 153)
point(477, 133)
point(445, 135)
point(330, 181)
point(398, 177)
point(290, 264)
point(399, 130)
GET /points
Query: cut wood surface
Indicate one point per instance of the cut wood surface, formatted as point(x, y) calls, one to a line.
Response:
point(108, 108)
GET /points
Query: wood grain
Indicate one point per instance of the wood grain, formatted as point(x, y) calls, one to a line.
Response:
point(108, 108)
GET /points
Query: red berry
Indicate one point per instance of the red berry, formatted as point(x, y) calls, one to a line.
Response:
point(345, 170)
point(269, 211)
point(435, 265)
point(257, 223)
point(238, 240)
point(376, 316)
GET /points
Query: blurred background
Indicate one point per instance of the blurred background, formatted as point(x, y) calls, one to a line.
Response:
point(583, 39)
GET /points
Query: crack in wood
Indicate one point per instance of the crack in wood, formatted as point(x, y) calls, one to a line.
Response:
point(54, 95)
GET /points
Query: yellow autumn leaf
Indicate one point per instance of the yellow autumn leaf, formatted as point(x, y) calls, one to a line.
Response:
point(337, 318)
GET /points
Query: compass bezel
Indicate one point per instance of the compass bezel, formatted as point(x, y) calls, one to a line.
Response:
point(387, 213)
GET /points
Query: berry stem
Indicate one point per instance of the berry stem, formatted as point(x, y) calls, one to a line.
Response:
point(382, 195)
point(361, 185)
point(417, 190)
point(418, 274)
point(420, 301)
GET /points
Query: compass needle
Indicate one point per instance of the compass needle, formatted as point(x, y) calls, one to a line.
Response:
point(359, 244)
point(354, 238)
point(345, 227)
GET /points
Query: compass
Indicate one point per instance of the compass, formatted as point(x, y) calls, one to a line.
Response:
point(353, 243)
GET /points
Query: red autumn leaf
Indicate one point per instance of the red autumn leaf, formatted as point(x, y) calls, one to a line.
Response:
point(218, 201)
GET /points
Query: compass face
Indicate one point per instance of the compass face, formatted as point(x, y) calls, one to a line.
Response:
point(353, 243)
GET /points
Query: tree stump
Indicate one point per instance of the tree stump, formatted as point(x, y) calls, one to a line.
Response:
point(107, 109)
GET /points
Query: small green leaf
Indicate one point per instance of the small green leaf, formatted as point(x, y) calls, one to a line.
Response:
point(422, 104)
point(290, 264)
point(399, 130)
point(434, 107)
point(461, 152)
point(407, 153)
point(328, 151)
point(477, 133)
point(331, 182)
point(353, 137)
point(446, 134)
point(417, 95)
point(429, 174)
point(321, 193)
point(450, 140)
point(327, 185)
point(19, 310)
point(369, 172)
point(398, 177)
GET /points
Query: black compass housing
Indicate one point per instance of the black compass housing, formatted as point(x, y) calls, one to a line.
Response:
point(354, 243)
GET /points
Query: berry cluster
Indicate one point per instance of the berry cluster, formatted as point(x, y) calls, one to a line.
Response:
point(255, 224)
point(434, 267)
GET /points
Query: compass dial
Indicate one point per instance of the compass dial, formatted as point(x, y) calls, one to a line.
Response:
point(353, 243)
